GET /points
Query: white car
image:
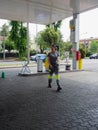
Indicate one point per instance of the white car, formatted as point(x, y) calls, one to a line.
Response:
point(41, 56)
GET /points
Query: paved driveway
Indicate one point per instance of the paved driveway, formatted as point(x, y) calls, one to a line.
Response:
point(27, 104)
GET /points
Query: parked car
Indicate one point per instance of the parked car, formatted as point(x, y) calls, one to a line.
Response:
point(36, 56)
point(93, 56)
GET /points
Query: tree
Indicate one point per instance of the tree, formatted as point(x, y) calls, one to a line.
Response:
point(51, 35)
point(40, 40)
point(4, 33)
point(47, 37)
point(9, 45)
point(4, 30)
point(65, 46)
point(55, 25)
point(94, 46)
point(14, 32)
point(18, 35)
point(82, 50)
point(22, 44)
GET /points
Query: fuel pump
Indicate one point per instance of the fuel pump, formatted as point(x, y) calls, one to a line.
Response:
point(78, 55)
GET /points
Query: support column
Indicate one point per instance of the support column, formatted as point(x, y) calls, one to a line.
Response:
point(74, 25)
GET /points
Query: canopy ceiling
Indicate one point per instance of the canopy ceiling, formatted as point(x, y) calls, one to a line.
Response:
point(43, 11)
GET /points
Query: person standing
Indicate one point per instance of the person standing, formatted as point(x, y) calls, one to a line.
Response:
point(53, 67)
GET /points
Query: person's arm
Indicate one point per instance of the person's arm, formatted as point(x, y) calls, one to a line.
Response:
point(49, 61)
point(57, 57)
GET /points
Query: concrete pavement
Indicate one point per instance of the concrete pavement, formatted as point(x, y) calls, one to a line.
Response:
point(27, 104)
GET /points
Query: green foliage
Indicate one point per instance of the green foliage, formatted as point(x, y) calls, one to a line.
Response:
point(24, 58)
point(55, 25)
point(62, 57)
point(18, 35)
point(65, 46)
point(14, 32)
point(47, 37)
point(9, 45)
point(32, 52)
point(4, 30)
point(88, 53)
point(82, 50)
point(21, 45)
point(40, 40)
point(51, 35)
point(94, 47)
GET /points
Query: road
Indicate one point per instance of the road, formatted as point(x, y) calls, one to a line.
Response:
point(88, 64)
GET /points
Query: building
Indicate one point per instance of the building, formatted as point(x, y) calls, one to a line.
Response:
point(87, 41)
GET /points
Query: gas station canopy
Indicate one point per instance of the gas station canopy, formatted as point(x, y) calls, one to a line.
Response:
point(43, 11)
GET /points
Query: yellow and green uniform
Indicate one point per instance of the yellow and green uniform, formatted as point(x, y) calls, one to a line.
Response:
point(53, 58)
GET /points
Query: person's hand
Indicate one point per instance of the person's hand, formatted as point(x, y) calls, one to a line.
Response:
point(51, 66)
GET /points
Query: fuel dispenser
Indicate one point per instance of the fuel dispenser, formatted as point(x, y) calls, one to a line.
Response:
point(79, 58)
point(39, 64)
point(78, 55)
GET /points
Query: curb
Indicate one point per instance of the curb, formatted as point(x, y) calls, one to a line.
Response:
point(46, 73)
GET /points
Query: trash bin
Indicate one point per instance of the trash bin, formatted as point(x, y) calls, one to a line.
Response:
point(67, 67)
point(39, 64)
point(3, 74)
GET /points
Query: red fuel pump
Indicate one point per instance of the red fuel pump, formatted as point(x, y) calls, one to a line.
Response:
point(78, 55)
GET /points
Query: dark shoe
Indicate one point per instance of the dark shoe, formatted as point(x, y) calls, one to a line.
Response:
point(49, 86)
point(58, 89)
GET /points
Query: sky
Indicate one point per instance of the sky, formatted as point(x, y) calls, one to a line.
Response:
point(88, 26)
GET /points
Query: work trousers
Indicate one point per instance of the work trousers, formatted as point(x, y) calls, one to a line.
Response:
point(54, 70)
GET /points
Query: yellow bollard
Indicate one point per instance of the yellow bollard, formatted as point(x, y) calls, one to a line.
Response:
point(80, 64)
